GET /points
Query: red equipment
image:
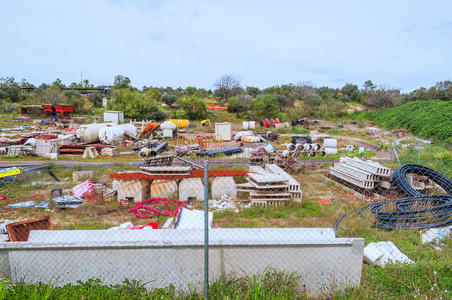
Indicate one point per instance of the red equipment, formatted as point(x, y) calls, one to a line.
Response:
point(144, 211)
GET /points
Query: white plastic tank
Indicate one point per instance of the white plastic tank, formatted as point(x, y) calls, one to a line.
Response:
point(330, 150)
point(330, 143)
point(252, 124)
point(89, 133)
point(245, 125)
point(110, 132)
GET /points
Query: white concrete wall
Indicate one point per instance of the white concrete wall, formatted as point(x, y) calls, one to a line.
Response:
point(163, 257)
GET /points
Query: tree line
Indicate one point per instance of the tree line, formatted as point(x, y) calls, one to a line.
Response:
point(293, 101)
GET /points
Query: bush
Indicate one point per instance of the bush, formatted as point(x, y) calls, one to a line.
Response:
point(264, 107)
point(429, 118)
point(194, 107)
point(135, 104)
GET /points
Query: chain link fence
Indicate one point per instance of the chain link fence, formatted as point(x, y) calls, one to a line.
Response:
point(182, 224)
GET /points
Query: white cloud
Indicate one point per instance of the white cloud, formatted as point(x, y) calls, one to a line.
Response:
point(180, 43)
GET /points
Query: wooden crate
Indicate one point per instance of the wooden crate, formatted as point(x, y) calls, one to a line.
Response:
point(19, 231)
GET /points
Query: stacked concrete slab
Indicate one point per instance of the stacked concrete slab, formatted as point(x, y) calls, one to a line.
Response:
point(363, 174)
point(271, 186)
point(294, 186)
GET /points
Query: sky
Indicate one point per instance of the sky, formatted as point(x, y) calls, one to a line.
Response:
point(400, 44)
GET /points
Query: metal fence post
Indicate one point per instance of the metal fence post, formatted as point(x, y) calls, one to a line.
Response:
point(206, 229)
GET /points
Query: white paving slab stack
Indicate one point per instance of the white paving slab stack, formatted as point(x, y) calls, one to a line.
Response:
point(265, 188)
point(191, 188)
point(294, 186)
point(364, 174)
point(223, 186)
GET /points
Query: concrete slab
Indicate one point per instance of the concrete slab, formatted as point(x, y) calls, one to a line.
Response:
point(223, 185)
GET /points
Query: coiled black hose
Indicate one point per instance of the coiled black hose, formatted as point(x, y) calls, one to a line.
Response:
point(417, 210)
point(399, 179)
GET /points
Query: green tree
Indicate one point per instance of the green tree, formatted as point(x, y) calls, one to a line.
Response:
point(135, 105)
point(9, 89)
point(58, 83)
point(194, 107)
point(170, 100)
point(351, 91)
point(369, 85)
point(53, 95)
point(121, 82)
point(252, 91)
point(263, 107)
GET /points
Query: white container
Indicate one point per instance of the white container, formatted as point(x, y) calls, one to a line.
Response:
point(89, 133)
point(116, 117)
point(168, 125)
point(330, 143)
point(330, 150)
point(252, 124)
point(223, 130)
point(110, 132)
point(168, 133)
point(361, 150)
point(245, 125)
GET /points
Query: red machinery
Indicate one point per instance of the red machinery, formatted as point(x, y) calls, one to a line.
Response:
point(63, 110)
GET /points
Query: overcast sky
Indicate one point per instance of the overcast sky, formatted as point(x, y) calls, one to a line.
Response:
point(402, 44)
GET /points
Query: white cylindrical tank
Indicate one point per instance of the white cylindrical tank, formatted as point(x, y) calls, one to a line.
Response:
point(330, 143)
point(252, 124)
point(330, 150)
point(245, 125)
point(89, 133)
point(109, 133)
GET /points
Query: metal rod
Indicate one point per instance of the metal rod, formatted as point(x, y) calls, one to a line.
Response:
point(206, 229)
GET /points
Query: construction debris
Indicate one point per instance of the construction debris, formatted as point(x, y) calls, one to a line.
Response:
point(382, 253)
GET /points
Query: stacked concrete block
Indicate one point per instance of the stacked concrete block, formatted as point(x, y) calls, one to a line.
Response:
point(363, 174)
point(138, 190)
point(224, 186)
point(265, 188)
point(191, 189)
point(294, 186)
